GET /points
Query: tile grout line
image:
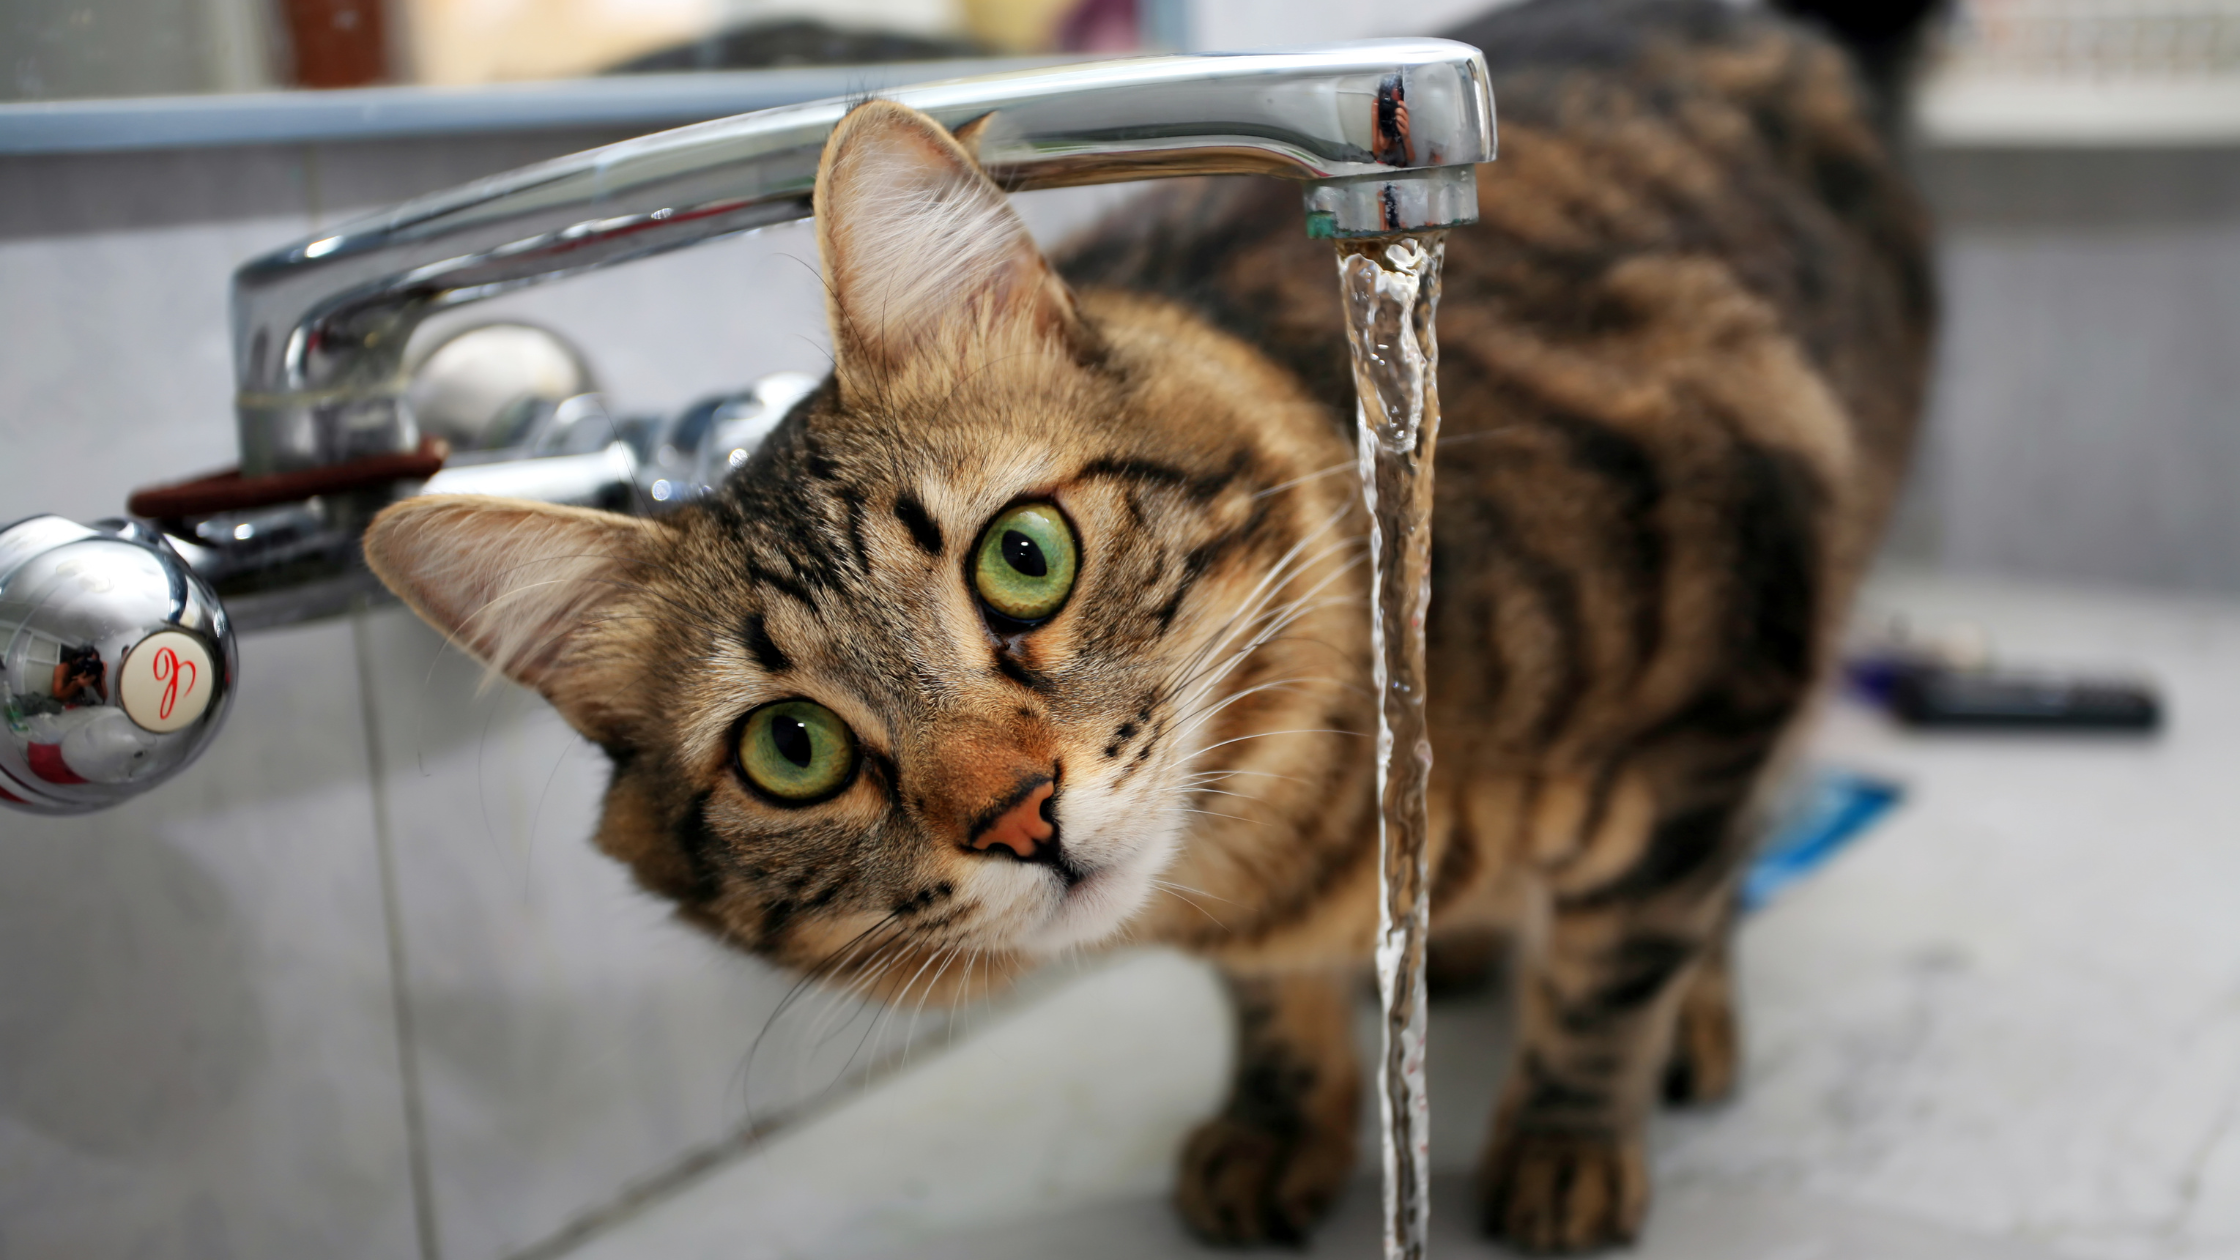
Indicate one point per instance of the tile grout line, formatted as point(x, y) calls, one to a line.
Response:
point(400, 1001)
point(639, 1197)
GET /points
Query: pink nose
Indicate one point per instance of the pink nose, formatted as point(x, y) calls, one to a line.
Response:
point(1021, 828)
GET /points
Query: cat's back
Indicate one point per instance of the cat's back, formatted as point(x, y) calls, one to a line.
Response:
point(1700, 134)
point(1683, 354)
point(1683, 128)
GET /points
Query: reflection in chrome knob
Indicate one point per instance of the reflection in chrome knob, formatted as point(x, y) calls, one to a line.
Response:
point(116, 664)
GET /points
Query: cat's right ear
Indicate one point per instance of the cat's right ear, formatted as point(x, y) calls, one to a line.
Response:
point(515, 584)
point(922, 253)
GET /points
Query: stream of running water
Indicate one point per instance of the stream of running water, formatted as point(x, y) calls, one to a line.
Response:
point(1391, 293)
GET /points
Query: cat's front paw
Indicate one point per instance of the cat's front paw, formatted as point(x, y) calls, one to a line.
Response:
point(1555, 1191)
point(1242, 1185)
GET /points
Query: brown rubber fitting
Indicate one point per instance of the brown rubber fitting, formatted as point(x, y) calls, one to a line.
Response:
point(229, 491)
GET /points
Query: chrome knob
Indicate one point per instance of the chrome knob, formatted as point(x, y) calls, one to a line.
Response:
point(116, 664)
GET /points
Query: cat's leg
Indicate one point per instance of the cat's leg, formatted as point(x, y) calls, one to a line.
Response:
point(1267, 1168)
point(1706, 1054)
point(1628, 919)
point(1461, 963)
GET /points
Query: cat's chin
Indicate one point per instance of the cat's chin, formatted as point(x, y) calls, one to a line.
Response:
point(1093, 911)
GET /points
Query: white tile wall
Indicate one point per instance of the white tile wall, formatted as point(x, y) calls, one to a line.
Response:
point(198, 1055)
point(2082, 424)
point(2092, 431)
point(115, 370)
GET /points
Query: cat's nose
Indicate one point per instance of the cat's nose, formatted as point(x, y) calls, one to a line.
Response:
point(1021, 825)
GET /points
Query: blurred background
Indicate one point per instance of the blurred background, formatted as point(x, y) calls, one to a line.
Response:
point(355, 985)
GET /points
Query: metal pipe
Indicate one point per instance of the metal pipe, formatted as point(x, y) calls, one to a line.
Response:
point(1384, 132)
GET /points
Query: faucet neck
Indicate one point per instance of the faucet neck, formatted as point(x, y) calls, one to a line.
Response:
point(1385, 130)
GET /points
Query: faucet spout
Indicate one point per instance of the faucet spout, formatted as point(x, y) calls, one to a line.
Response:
point(1383, 132)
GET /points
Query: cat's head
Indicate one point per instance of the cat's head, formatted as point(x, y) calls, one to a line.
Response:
point(1035, 593)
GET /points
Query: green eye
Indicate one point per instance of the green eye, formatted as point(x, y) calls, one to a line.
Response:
point(797, 751)
point(1025, 565)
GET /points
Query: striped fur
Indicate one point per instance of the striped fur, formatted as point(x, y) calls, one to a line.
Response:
point(1682, 357)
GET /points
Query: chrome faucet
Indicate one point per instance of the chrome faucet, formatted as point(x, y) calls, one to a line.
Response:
point(1384, 135)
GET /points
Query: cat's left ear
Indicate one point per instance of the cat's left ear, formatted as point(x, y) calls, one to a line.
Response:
point(922, 252)
point(522, 587)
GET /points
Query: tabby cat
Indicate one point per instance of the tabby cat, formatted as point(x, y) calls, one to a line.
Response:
point(1041, 626)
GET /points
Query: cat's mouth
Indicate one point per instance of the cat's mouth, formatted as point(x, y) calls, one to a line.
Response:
point(1083, 913)
point(1077, 878)
point(1071, 872)
point(1063, 862)
point(1080, 865)
point(1094, 898)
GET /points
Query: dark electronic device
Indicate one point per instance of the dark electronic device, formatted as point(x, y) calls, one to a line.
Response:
point(1929, 694)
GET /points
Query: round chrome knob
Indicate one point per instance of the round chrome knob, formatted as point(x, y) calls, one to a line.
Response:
point(116, 664)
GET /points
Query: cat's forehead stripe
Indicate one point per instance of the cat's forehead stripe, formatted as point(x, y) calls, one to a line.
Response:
point(924, 531)
point(1199, 488)
point(764, 649)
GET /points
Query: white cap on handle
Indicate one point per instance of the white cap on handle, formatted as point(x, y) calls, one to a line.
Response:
point(166, 681)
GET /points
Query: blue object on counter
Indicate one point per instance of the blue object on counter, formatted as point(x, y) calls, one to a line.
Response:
point(1828, 810)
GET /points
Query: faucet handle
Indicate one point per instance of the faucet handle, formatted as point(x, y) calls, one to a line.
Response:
point(116, 664)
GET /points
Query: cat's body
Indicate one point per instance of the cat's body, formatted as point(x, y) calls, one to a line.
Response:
point(1682, 357)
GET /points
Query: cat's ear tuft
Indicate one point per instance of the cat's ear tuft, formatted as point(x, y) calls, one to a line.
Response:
point(514, 583)
point(920, 246)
